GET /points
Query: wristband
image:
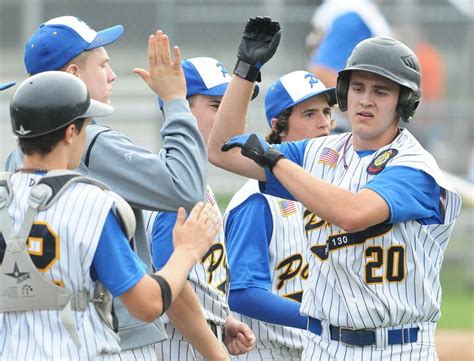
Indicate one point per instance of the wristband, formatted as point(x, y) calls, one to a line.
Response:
point(247, 71)
point(272, 156)
point(165, 291)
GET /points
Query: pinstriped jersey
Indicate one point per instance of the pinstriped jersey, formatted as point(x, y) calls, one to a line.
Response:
point(62, 244)
point(386, 275)
point(288, 265)
point(209, 277)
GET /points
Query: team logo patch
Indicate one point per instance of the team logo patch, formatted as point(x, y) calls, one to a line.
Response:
point(329, 157)
point(287, 207)
point(379, 163)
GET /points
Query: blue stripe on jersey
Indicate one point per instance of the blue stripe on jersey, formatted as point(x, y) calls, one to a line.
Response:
point(162, 238)
point(268, 307)
point(346, 32)
point(293, 151)
point(249, 229)
point(410, 194)
point(115, 265)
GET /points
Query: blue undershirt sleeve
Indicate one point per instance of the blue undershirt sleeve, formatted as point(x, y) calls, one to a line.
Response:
point(162, 238)
point(345, 33)
point(115, 265)
point(248, 231)
point(293, 151)
point(268, 307)
point(411, 194)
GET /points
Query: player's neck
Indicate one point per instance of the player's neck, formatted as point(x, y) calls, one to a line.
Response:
point(361, 143)
point(45, 163)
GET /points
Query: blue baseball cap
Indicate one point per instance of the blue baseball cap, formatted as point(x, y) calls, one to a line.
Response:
point(206, 76)
point(59, 40)
point(294, 88)
point(4, 86)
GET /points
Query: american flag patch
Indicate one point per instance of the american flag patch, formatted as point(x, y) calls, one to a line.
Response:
point(210, 198)
point(287, 207)
point(329, 156)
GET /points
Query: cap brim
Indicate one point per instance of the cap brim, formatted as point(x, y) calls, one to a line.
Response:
point(106, 36)
point(4, 86)
point(97, 109)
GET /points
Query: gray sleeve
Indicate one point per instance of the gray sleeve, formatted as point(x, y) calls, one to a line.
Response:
point(14, 160)
point(176, 177)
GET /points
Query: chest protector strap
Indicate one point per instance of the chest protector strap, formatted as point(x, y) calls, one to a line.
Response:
point(22, 286)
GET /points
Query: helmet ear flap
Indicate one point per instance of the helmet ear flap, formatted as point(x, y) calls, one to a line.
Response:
point(342, 88)
point(407, 103)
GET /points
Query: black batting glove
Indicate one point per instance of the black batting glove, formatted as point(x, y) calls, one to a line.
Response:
point(258, 44)
point(253, 146)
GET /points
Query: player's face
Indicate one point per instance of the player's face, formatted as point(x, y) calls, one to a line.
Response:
point(309, 119)
point(372, 101)
point(98, 75)
point(204, 108)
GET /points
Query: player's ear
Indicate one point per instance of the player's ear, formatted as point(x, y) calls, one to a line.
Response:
point(69, 133)
point(72, 69)
point(275, 128)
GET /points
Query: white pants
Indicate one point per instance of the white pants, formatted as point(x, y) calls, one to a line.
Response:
point(282, 353)
point(144, 353)
point(176, 347)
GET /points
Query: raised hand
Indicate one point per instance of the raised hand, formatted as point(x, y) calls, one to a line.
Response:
point(196, 233)
point(165, 75)
point(259, 42)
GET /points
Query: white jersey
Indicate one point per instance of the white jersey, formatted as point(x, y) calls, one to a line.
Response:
point(288, 266)
point(385, 276)
point(209, 279)
point(62, 244)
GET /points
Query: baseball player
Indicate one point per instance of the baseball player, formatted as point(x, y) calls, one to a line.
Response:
point(206, 82)
point(382, 212)
point(64, 237)
point(265, 235)
point(146, 180)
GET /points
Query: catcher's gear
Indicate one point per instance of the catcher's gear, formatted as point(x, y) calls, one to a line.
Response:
point(258, 44)
point(391, 59)
point(253, 146)
point(50, 101)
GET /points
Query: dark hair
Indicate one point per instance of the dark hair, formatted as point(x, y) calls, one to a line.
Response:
point(44, 144)
point(281, 126)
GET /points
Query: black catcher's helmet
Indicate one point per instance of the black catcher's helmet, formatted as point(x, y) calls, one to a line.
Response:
point(49, 101)
point(391, 59)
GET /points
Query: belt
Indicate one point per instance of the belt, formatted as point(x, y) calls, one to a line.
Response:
point(363, 337)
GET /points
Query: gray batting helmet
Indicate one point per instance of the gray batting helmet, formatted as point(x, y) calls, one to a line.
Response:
point(49, 101)
point(391, 59)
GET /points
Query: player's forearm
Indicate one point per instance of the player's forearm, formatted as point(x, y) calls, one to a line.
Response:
point(265, 306)
point(176, 271)
point(186, 315)
point(350, 211)
point(230, 120)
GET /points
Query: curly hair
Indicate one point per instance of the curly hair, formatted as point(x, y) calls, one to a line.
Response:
point(280, 126)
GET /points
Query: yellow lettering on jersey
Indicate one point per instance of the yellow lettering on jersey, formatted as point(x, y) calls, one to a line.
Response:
point(214, 258)
point(290, 268)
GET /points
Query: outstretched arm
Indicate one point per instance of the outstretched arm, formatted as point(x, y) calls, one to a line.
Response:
point(192, 237)
point(259, 42)
point(176, 176)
